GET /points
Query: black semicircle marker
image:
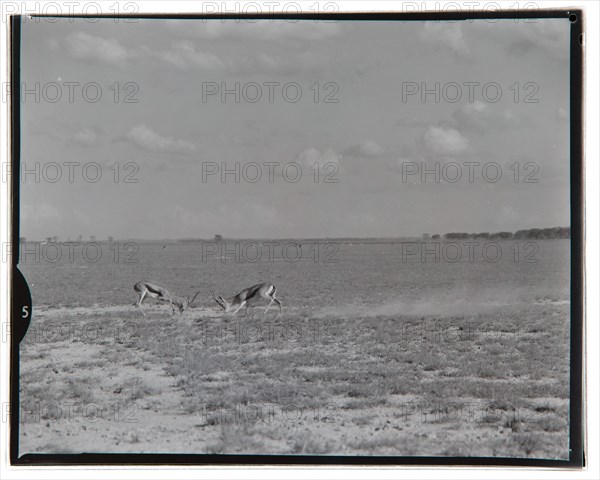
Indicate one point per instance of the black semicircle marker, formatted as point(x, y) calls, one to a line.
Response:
point(21, 307)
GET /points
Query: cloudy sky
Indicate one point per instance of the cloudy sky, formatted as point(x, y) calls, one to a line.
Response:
point(315, 102)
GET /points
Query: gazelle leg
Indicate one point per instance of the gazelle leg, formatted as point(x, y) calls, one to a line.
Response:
point(273, 299)
point(139, 303)
point(238, 309)
point(269, 306)
point(140, 300)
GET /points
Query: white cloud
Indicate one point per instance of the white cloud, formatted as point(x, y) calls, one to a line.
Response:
point(288, 64)
point(485, 118)
point(66, 132)
point(86, 137)
point(191, 53)
point(311, 156)
point(365, 148)
point(230, 139)
point(521, 47)
point(548, 35)
point(147, 139)
point(263, 30)
point(446, 35)
point(92, 48)
point(185, 56)
point(444, 141)
point(398, 164)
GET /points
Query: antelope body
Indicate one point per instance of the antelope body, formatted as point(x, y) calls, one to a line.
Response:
point(154, 290)
point(248, 296)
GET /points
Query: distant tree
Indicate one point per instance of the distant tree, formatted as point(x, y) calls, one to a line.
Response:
point(456, 235)
point(55, 238)
point(532, 233)
point(501, 236)
point(482, 235)
point(549, 233)
point(92, 238)
point(425, 236)
point(218, 238)
point(48, 239)
point(111, 239)
point(521, 234)
point(22, 240)
point(80, 237)
point(435, 236)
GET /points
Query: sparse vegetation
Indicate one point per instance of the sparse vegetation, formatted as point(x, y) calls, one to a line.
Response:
point(412, 359)
point(530, 234)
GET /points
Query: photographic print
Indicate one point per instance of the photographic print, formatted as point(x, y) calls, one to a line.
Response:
point(322, 238)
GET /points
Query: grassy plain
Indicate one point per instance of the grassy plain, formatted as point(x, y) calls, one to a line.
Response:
point(377, 352)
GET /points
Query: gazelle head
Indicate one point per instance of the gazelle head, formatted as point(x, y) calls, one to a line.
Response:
point(224, 304)
point(185, 303)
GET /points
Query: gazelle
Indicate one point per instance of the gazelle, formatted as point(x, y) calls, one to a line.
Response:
point(247, 296)
point(159, 292)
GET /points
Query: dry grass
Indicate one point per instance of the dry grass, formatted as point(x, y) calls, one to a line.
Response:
point(383, 375)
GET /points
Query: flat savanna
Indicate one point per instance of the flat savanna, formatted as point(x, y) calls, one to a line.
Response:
point(374, 353)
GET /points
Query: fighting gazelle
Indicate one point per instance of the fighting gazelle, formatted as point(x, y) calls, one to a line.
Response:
point(247, 296)
point(159, 292)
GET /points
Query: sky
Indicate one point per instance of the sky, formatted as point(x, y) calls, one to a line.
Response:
point(160, 129)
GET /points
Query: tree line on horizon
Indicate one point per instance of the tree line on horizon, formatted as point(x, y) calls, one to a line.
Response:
point(528, 234)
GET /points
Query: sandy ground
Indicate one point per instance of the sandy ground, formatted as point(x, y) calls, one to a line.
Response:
point(96, 380)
